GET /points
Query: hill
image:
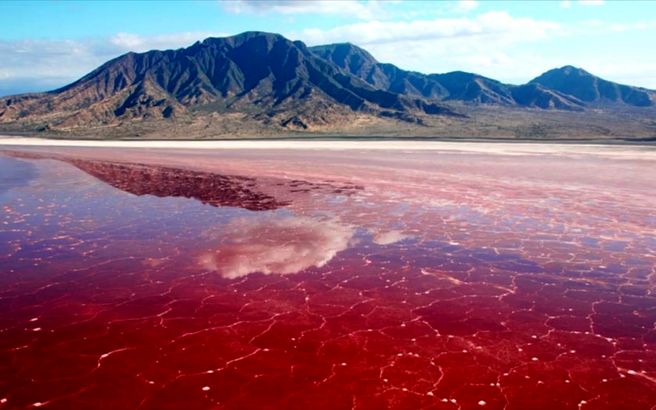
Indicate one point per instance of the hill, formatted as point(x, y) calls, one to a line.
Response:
point(261, 84)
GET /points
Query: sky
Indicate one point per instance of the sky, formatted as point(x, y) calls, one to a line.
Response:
point(49, 43)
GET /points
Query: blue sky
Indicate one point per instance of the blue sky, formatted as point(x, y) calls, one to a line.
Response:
point(46, 44)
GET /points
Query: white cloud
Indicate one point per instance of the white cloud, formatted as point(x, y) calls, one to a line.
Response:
point(465, 6)
point(446, 44)
point(635, 26)
point(352, 8)
point(133, 42)
point(276, 246)
point(31, 64)
point(495, 44)
point(488, 25)
point(40, 65)
point(591, 2)
point(566, 4)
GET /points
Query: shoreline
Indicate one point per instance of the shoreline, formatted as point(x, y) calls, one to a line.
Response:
point(472, 146)
point(482, 147)
point(627, 141)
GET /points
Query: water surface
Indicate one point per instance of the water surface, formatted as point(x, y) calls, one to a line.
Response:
point(311, 279)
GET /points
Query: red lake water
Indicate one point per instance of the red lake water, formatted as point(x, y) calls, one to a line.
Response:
point(327, 279)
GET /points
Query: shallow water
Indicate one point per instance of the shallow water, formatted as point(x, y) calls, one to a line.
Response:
point(298, 279)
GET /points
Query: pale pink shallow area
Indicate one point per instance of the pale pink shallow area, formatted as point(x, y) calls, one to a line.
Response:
point(328, 276)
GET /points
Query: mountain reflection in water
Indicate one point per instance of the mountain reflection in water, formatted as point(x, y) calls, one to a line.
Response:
point(209, 188)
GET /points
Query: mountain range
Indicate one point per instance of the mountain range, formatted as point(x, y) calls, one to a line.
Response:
point(259, 84)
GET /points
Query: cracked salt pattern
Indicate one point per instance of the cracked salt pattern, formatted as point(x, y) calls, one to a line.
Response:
point(313, 280)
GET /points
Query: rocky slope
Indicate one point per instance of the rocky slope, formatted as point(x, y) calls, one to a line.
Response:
point(455, 86)
point(592, 89)
point(263, 74)
point(255, 84)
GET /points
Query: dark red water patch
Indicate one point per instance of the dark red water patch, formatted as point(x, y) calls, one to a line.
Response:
point(466, 293)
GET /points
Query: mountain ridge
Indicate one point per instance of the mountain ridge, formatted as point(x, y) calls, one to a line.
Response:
point(253, 68)
point(277, 84)
point(590, 88)
point(471, 87)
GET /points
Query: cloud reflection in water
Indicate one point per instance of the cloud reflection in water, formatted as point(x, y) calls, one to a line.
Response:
point(284, 245)
point(389, 237)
